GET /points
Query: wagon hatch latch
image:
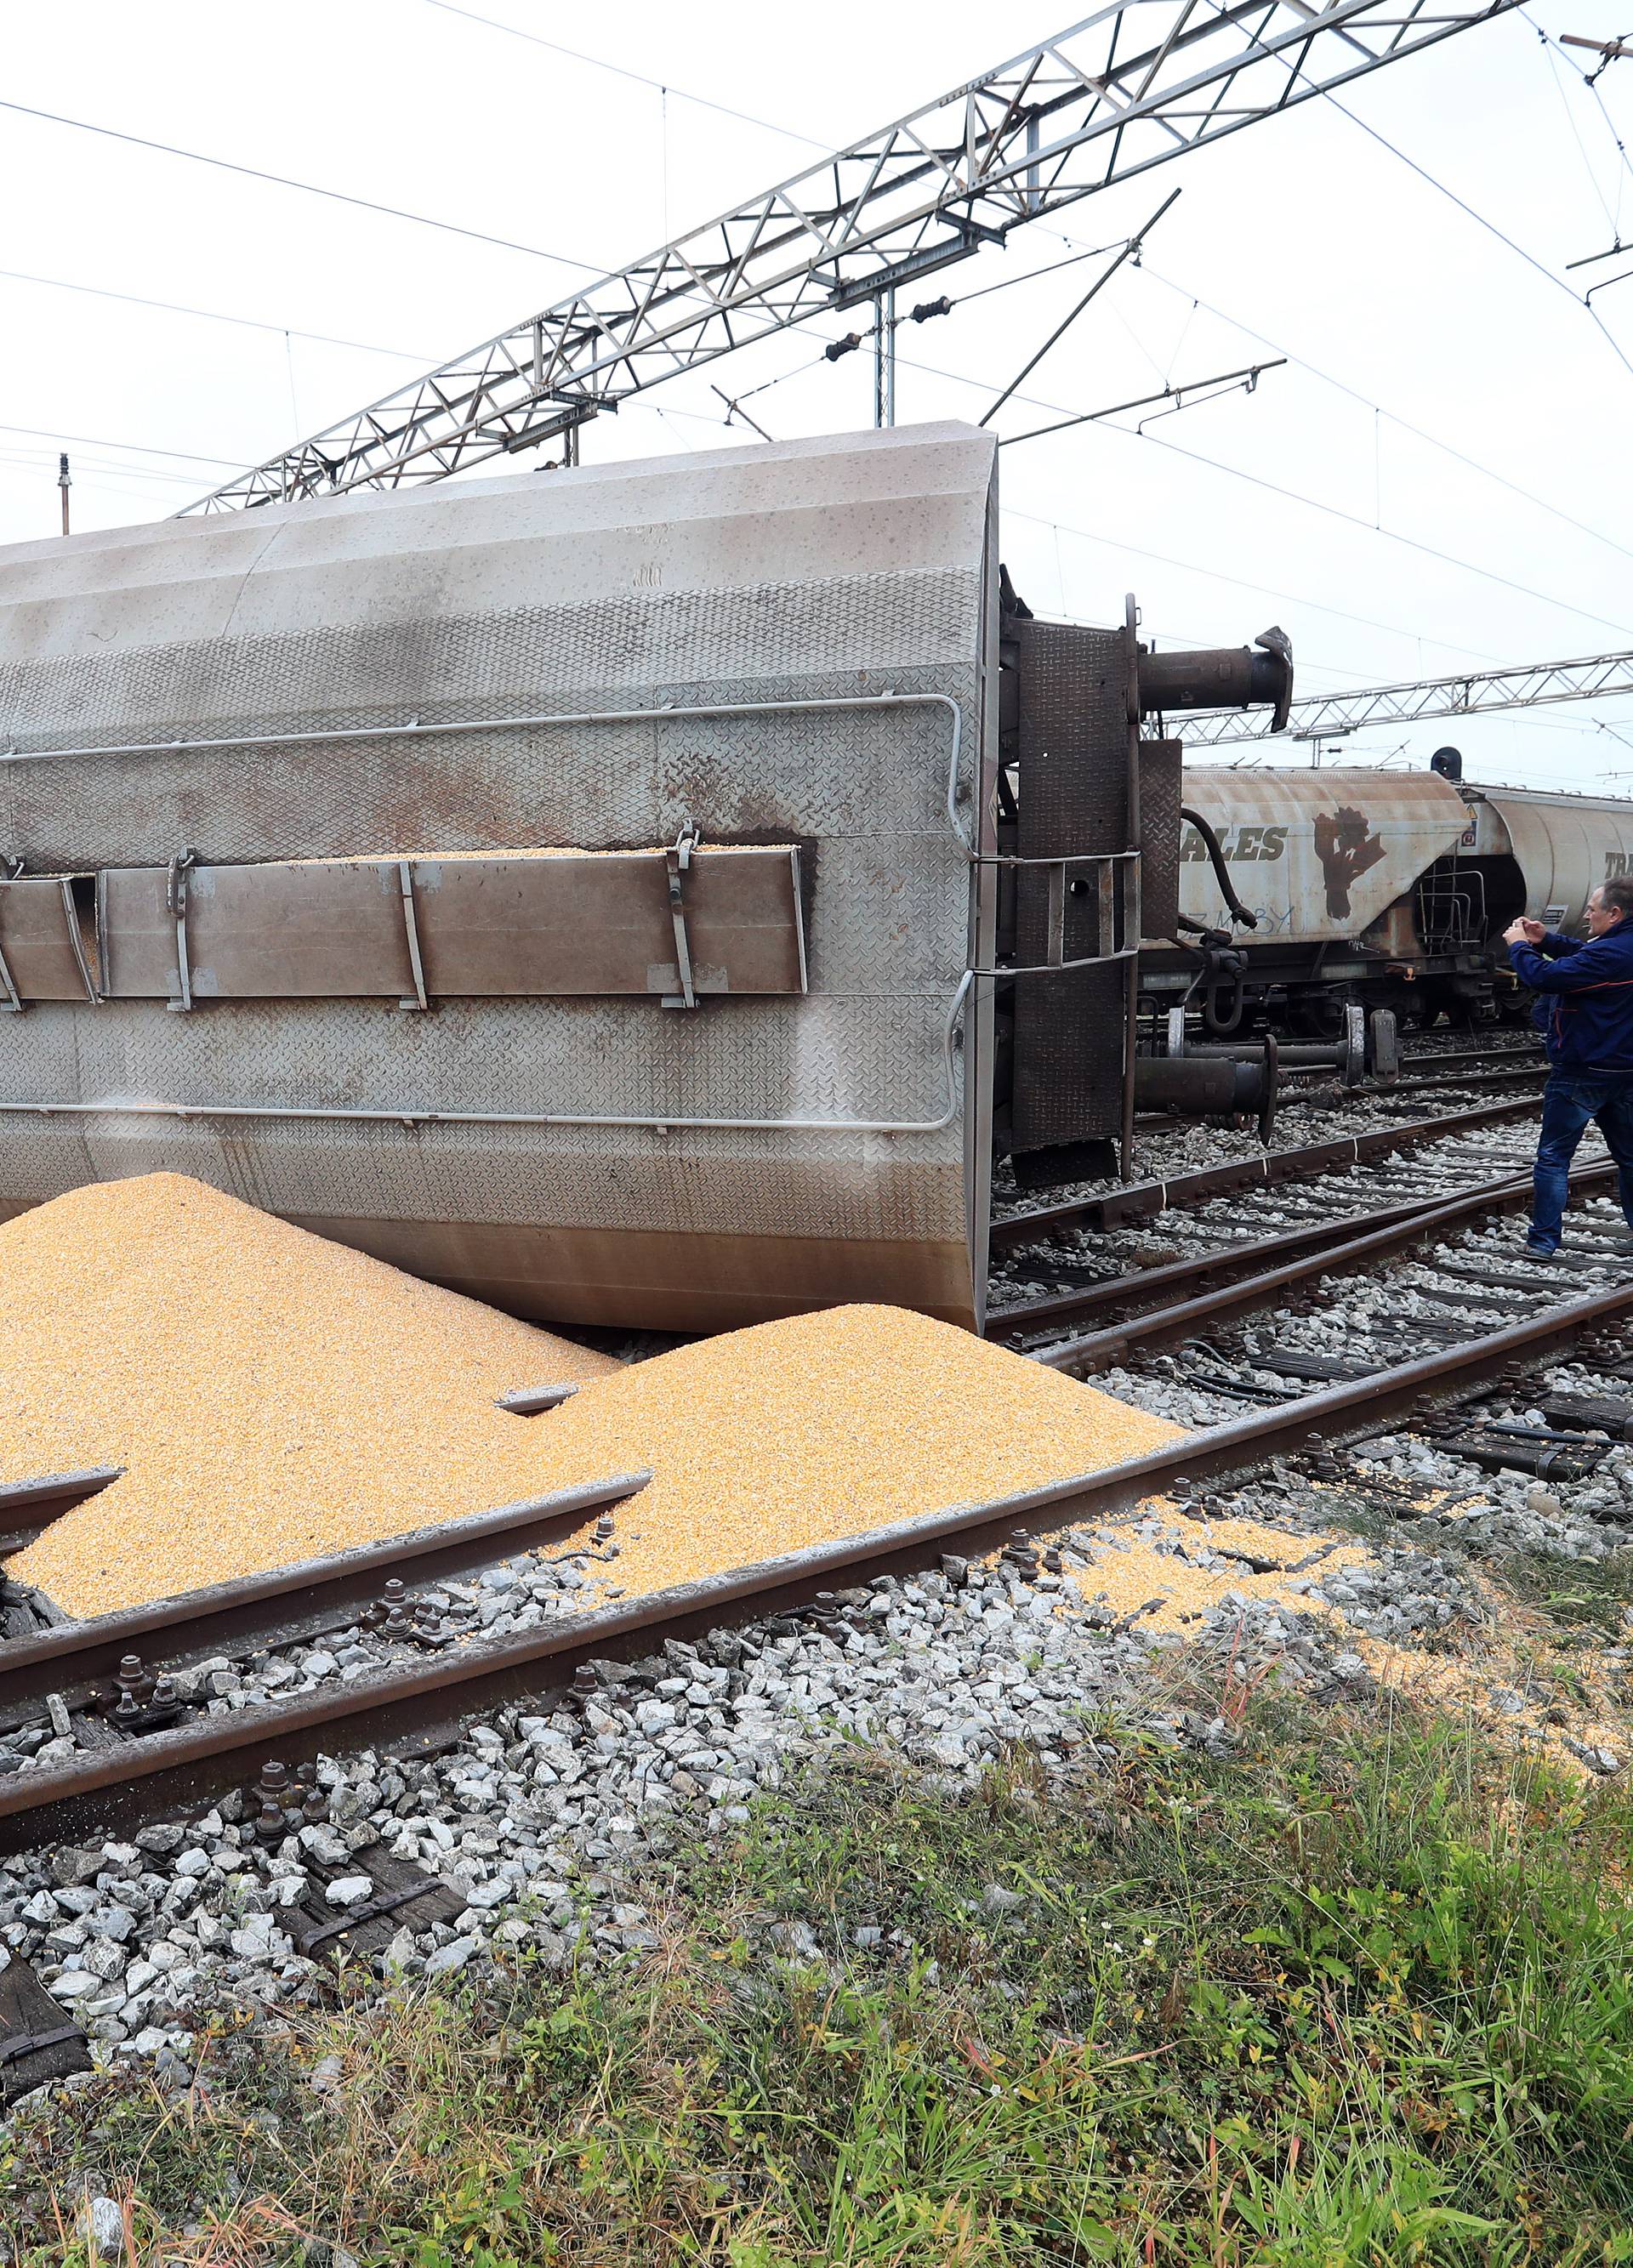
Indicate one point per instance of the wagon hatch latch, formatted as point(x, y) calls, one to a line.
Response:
point(677, 859)
point(175, 905)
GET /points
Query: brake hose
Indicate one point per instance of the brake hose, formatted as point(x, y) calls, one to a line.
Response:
point(1210, 841)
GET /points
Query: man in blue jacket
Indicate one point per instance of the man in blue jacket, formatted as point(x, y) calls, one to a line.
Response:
point(1585, 1011)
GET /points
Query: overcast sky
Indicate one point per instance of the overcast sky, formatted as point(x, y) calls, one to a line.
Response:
point(1311, 503)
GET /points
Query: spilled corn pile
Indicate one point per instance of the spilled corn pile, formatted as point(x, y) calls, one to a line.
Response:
point(824, 1426)
point(272, 1395)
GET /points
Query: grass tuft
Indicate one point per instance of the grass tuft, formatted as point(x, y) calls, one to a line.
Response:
point(1590, 1597)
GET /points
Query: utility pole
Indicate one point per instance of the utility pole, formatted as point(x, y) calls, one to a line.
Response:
point(64, 484)
point(884, 358)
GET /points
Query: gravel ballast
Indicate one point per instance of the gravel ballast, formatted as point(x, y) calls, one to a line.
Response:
point(543, 1820)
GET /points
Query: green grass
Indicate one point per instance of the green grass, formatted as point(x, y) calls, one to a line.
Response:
point(1590, 1597)
point(1360, 1995)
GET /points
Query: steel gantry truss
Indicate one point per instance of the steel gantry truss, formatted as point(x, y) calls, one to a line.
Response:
point(1473, 694)
point(1141, 82)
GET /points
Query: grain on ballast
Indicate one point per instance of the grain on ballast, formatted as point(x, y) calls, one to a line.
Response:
point(268, 1411)
point(1133, 1570)
point(271, 1395)
point(824, 1425)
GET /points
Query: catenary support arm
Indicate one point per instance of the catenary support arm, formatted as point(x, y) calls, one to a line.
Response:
point(1327, 716)
point(1139, 82)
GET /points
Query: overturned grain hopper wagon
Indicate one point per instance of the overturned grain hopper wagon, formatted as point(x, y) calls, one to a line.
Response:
point(597, 891)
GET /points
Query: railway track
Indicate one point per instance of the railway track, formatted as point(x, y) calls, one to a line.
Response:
point(113, 1685)
point(1259, 1269)
point(1493, 1040)
point(134, 1735)
point(1431, 1248)
point(1119, 1206)
point(1190, 1297)
point(125, 1768)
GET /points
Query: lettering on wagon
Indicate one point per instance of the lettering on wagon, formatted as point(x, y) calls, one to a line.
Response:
point(1239, 844)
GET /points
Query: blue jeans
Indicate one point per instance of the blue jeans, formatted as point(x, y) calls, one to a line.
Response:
point(1568, 1104)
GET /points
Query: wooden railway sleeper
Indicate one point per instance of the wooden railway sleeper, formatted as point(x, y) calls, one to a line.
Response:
point(36, 2045)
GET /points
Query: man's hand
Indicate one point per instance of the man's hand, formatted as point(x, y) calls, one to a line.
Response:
point(1524, 931)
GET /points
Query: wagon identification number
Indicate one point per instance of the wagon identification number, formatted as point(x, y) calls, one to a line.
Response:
point(1238, 844)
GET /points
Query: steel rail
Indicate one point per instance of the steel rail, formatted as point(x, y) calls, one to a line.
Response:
point(1111, 1208)
point(419, 1710)
point(1201, 1269)
point(1098, 1350)
point(287, 1602)
point(1473, 1081)
point(1493, 1058)
point(27, 1507)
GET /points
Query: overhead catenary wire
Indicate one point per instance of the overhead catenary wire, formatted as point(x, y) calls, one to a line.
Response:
point(99, 441)
point(96, 482)
point(1406, 424)
point(1613, 216)
point(1590, 79)
point(622, 70)
point(1005, 283)
point(809, 362)
point(1369, 527)
point(1483, 221)
point(1033, 275)
point(1100, 282)
point(307, 188)
point(1336, 511)
point(210, 315)
point(1224, 382)
point(1392, 536)
point(149, 475)
point(1245, 583)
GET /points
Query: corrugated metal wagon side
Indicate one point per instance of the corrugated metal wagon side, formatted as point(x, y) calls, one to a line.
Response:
point(689, 1086)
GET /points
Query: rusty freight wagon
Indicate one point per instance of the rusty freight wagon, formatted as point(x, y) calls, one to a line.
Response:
point(600, 891)
point(1390, 889)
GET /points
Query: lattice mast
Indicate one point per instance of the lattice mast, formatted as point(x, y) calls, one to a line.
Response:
point(1133, 86)
point(1475, 693)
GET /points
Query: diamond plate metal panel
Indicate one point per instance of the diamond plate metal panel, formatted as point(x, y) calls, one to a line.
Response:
point(632, 1181)
point(876, 1057)
point(815, 571)
point(1161, 769)
point(516, 662)
point(1068, 1028)
point(600, 786)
